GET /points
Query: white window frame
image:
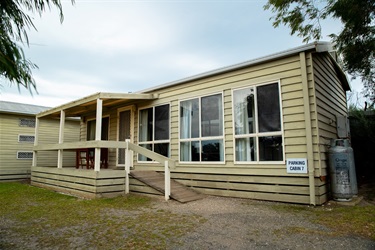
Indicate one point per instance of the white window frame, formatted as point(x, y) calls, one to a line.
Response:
point(131, 109)
point(18, 152)
point(256, 134)
point(153, 142)
point(200, 138)
point(20, 135)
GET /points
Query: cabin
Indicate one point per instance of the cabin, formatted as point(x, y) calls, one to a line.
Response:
point(17, 135)
point(258, 129)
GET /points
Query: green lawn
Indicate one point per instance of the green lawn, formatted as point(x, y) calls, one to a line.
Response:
point(34, 218)
point(31, 216)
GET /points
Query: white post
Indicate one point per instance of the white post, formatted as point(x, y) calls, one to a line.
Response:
point(127, 166)
point(167, 180)
point(61, 139)
point(36, 140)
point(98, 131)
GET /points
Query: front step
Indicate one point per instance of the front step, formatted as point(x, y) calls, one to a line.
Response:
point(155, 180)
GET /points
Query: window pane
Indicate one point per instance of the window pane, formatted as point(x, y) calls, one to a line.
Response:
point(270, 148)
point(212, 150)
point(162, 122)
point(244, 119)
point(245, 149)
point(189, 119)
point(268, 108)
point(26, 138)
point(212, 118)
point(105, 128)
point(145, 125)
point(91, 130)
point(162, 148)
point(142, 157)
point(189, 151)
point(27, 122)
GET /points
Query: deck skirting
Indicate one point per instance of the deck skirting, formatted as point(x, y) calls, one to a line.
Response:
point(14, 175)
point(83, 183)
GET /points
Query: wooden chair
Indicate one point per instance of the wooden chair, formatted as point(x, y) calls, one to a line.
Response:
point(82, 158)
point(85, 157)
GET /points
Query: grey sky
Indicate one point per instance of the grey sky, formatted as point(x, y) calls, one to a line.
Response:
point(127, 46)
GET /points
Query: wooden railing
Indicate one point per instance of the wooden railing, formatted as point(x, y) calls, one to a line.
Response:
point(129, 148)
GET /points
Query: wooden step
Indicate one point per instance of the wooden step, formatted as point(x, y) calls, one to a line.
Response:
point(179, 192)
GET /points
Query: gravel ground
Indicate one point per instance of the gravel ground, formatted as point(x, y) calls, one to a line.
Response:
point(246, 224)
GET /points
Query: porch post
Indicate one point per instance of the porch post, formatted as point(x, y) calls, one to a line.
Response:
point(36, 139)
point(127, 166)
point(61, 139)
point(98, 132)
point(167, 180)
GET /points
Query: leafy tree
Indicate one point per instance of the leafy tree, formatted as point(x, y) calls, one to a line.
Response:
point(15, 21)
point(356, 41)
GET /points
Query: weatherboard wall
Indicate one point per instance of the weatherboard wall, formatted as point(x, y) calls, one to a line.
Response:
point(12, 168)
point(259, 181)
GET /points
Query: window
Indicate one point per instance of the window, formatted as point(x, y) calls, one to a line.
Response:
point(257, 124)
point(154, 130)
point(27, 122)
point(91, 129)
point(201, 129)
point(26, 138)
point(25, 155)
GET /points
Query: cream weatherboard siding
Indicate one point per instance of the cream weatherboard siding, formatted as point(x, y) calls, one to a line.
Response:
point(12, 168)
point(49, 134)
point(330, 103)
point(259, 181)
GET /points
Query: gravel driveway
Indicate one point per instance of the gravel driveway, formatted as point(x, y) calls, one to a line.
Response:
point(246, 224)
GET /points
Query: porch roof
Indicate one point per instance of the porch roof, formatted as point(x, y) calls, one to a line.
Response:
point(88, 104)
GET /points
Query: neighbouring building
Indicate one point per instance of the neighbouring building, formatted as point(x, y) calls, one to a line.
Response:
point(17, 137)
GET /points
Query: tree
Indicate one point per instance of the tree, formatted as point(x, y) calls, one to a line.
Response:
point(356, 41)
point(15, 21)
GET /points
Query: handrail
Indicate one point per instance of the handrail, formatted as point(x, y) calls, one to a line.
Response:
point(128, 146)
point(106, 144)
point(154, 156)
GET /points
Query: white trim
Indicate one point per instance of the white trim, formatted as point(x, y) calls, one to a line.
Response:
point(153, 142)
point(256, 135)
point(200, 138)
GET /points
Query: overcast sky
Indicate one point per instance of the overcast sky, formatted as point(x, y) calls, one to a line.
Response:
point(128, 46)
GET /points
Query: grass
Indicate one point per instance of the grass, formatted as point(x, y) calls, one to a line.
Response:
point(341, 220)
point(32, 217)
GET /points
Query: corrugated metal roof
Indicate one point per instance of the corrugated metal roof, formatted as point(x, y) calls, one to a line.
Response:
point(21, 108)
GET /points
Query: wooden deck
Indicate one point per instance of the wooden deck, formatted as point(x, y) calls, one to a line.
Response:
point(155, 180)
